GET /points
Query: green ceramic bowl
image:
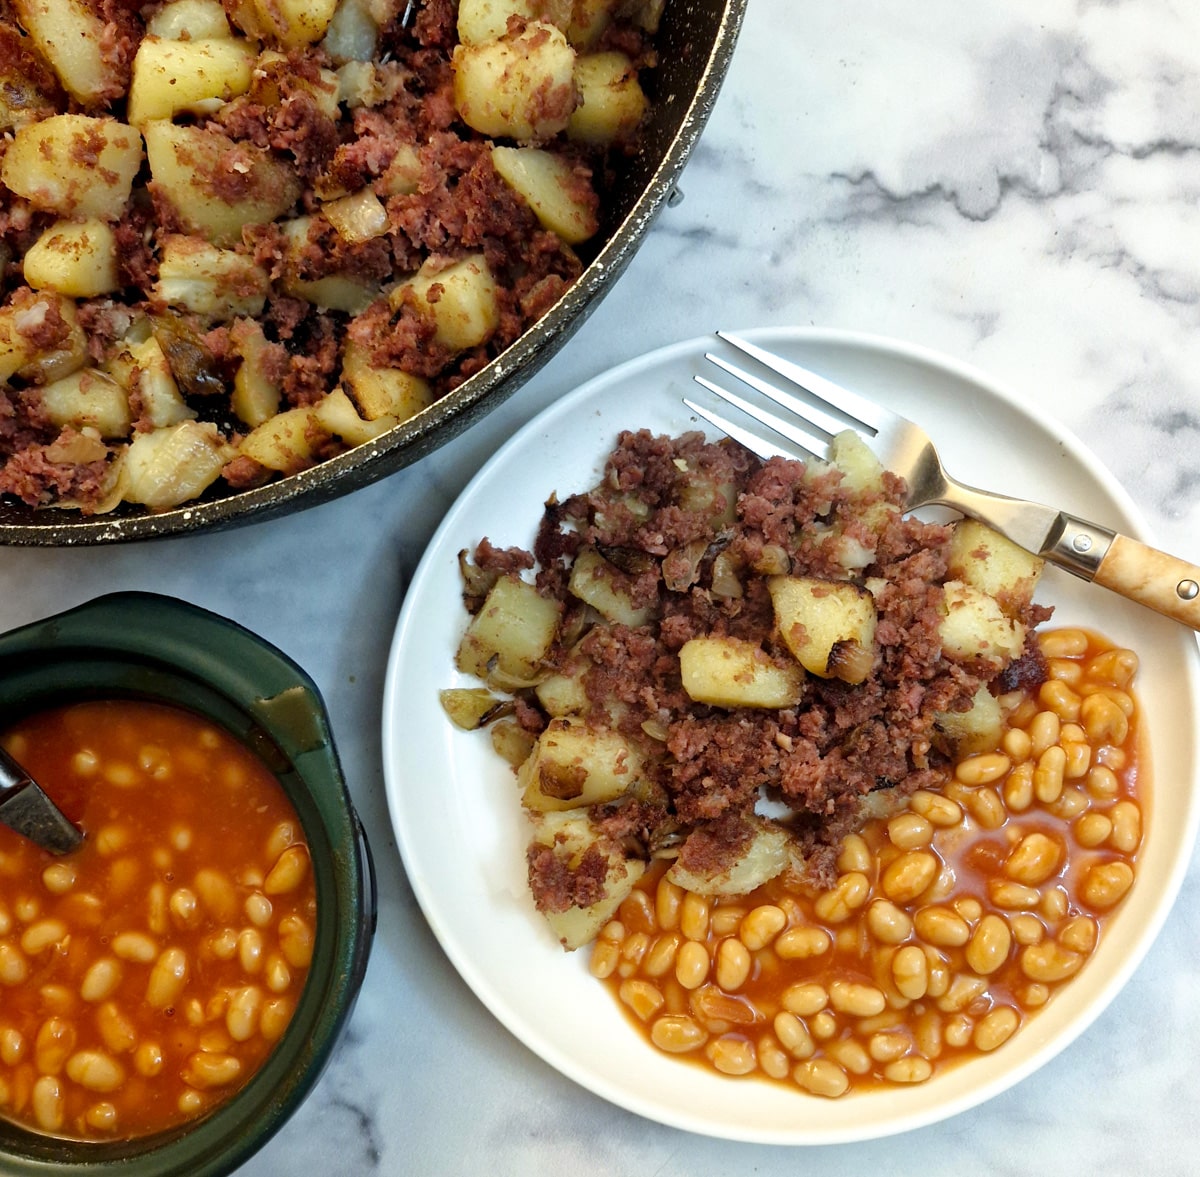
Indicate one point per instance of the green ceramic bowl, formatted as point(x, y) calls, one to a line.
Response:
point(139, 645)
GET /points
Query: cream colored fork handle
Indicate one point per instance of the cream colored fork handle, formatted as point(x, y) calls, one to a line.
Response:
point(1152, 578)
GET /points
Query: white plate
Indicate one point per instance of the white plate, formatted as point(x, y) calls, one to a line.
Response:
point(455, 808)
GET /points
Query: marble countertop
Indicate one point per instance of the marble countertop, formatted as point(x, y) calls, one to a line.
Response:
point(1013, 184)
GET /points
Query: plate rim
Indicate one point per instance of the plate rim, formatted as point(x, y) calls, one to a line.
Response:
point(851, 342)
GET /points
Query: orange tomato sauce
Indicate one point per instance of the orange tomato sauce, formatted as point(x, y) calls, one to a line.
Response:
point(145, 976)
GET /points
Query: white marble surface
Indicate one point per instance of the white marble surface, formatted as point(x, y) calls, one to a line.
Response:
point(1014, 184)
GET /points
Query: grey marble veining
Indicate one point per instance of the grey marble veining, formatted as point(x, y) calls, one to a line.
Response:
point(1014, 184)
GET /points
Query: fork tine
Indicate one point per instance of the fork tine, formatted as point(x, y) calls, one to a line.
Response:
point(807, 443)
point(856, 407)
point(812, 413)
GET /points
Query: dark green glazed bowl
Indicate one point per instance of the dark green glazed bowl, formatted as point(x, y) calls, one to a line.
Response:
point(143, 646)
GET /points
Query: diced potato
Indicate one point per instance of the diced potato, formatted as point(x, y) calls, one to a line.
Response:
point(336, 414)
point(403, 175)
point(487, 20)
point(974, 626)
point(510, 741)
point(142, 367)
point(730, 672)
point(574, 766)
point(598, 583)
point(275, 75)
point(578, 926)
point(828, 625)
point(170, 77)
point(560, 199)
point(612, 103)
point(570, 835)
point(861, 469)
point(767, 855)
point(382, 393)
point(993, 564)
point(334, 292)
point(293, 23)
point(284, 442)
point(69, 35)
point(76, 258)
point(520, 87)
point(189, 20)
point(174, 465)
point(564, 693)
point(514, 628)
point(23, 99)
point(471, 708)
point(211, 282)
point(357, 218)
point(352, 34)
point(88, 399)
point(460, 298)
point(195, 170)
point(976, 730)
point(24, 317)
point(256, 394)
point(589, 19)
point(74, 165)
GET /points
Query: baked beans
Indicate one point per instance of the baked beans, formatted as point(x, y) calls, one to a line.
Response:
point(949, 925)
point(145, 977)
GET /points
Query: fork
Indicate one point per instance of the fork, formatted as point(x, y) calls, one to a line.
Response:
point(1143, 574)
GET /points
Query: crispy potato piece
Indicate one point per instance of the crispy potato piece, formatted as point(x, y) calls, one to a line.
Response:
point(70, 36)
point(861, 469)
point(142, 367)
point(974, 626)
point(382, 393)
point(174, 465)
point(18, 354)
point(574, 766)
point(515, 627)
point(197, 76)
point(730, 672)
point(214, 185)
point(598, 583)
point(986, 560)
point(211, 282)
point(570, 834)
point(549, 185)
point(336, 414)
point(767, 855)
point(293, 23)
point(828, 625)
point(256, 395)
point(487, 20)
point(88, 399)
point(976, 730)
point(74, 165)
point(76, 258)
point(612, 103)
point(517, 87)
point(189, 20)
point(284, 442)
point(461, 299)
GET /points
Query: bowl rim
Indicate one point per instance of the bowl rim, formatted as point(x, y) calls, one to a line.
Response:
point(155, 638)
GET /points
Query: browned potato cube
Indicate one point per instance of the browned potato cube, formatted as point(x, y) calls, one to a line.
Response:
point(514, 629)
point(730, 672)
point(828, 625)
point(574, 766)
point(986, 560)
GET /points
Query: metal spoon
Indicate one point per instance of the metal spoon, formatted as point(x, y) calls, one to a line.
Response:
point(25, 807)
